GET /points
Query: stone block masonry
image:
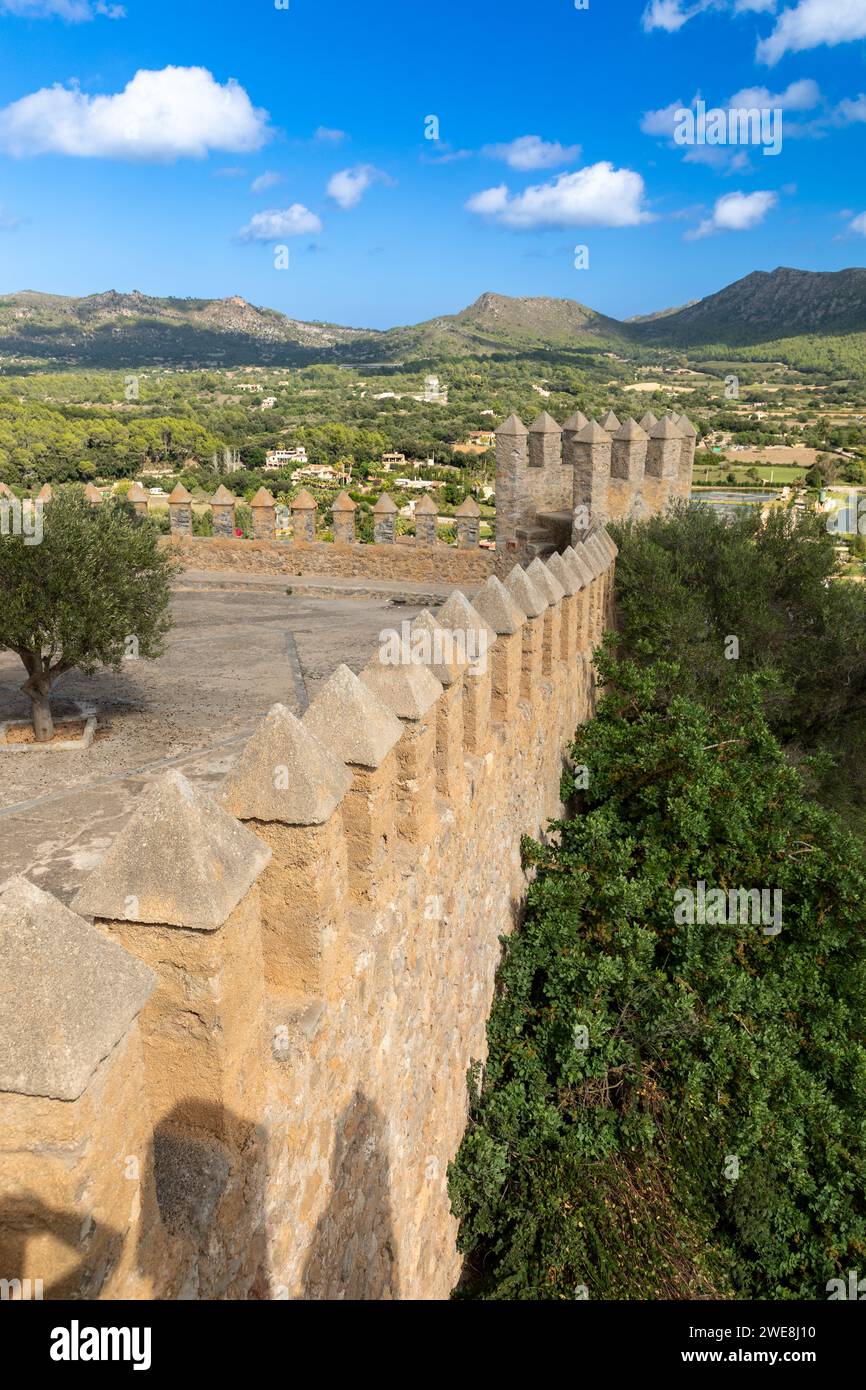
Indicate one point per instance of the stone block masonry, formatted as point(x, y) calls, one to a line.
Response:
point(236, 1067)
point(555, 482)
point(435, 564)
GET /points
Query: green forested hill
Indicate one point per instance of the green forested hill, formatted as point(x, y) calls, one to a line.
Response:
point(807, 318)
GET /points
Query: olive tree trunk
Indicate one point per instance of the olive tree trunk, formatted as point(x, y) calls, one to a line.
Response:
point(38, 687)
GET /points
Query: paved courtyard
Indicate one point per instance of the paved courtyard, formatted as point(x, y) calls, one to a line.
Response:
point(233, 653)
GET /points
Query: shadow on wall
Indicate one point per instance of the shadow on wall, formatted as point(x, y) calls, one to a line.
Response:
point(202, 1228)
point(203, 1231)
point(27, 1219)
point(353, 1253)
point(207, 1167)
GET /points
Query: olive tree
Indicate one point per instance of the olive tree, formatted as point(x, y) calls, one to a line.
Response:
point(87, 589)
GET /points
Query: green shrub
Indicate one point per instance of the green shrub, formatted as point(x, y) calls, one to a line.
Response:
point(607, 1167)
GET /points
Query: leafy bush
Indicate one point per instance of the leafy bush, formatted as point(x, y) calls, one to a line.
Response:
point(687, 582)
point(608, 1167)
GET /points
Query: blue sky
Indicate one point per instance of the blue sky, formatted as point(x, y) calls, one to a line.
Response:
point(132, 138)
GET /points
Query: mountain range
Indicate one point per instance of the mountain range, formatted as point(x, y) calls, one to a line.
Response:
point(115, 329)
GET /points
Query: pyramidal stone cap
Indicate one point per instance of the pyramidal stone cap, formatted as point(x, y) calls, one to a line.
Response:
point(528, 597)
point(263, 498)
point(575, 423)
point(406, 687)
point(446, 672)
point(563, 574)
point(687, 428)
point(68, 994)
point(593, 433)
point(343, 503)
point(599, 559)
point(665, 429)
point(285, 775)
point(497, 607)
point(648, 421)
point(605, 539)
point(547, 583)
point(385, 505)
point(545, 424)
point(135, 494)
point(609, 422)
point(352, 722)
point(458, 614)
point(588, 558)
point(45, 493)
point(425, 506)
point(513, 425)
point(222, 497)
point(576, 557)
point(180, 861)
point(468, 507)
point(303, 502)
point(631, 430)
point(180, 494)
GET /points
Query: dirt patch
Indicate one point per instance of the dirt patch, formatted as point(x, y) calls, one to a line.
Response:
point(64, 729)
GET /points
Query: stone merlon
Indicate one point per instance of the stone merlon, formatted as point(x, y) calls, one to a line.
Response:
point(564, 575)
point(180, 861)
point(458, 614)
point(285, 774)
point(545, 582)
point(445, 673)
point(406, 687)
point(497, 607)
point(68, 994)
point(526, 595)
point(352, 722)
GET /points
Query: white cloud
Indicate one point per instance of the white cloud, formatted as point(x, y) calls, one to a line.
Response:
point(859, 224)
point(663, 121)
point(724, 158)
point(596, 196)
point(330, 137)
point(269, 179)
point(801, 25)
point(811, 23)
point(850, 112)
point(736, 212)
point(348, 187)
point(671, 15)
point(170, 114)
point(280, 222)
point(531, 152)
point(7, 222)
point(73, 11)
point(797, 96)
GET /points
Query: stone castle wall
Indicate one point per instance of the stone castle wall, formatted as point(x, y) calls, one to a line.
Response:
point(558, 482)
point(554, 485)
point(441, 564)
point(236, 1066)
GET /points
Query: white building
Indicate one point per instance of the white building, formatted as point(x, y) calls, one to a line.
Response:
point(321, 473)
point(434, 392)
point(280, 458)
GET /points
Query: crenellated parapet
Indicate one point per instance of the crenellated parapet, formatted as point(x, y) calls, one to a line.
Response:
point(554, 485)
point(235, 1066)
